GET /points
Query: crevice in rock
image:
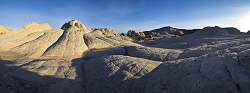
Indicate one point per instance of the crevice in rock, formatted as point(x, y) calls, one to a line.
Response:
point(237, 86)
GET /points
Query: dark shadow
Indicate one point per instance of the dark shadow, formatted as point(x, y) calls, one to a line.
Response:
point(17, 80)
point(190, 76)
point(79, 63)
point(184, 77)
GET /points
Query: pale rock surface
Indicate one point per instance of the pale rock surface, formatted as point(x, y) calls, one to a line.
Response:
point(77, 59)
point(70, 44)
point(158, 54)
point(17, 38)
point(4, 29)
point(37, 27)
point(207, 74)
point(112, 74)
point(37, 47)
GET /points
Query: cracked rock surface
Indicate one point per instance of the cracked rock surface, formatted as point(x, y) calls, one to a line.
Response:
point(77, 59)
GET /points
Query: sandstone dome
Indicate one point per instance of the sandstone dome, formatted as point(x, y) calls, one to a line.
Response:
point(71, 43)
point(79, 59)
point(73, 40)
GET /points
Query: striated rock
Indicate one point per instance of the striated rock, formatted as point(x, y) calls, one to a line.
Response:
point(71, 43)
point(39, 76)
point(17, 38)
point(157, 54)
point(217, 74)
point(36, 48)
point(76, 59)
point(113, 74)
point(105, 38)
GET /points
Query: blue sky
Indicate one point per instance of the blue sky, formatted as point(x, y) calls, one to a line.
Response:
point(123, 15)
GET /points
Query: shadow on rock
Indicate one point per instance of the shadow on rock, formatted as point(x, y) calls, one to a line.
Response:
point(17, 80)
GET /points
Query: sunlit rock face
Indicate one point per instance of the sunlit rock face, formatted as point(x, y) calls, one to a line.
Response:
point(75, 25)
point(50, 59)
point(30, 41)
point(71, 43)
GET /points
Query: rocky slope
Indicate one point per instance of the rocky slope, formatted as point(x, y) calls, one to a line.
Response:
point(77, 59)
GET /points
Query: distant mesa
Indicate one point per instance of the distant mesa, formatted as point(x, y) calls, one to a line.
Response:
point(216, 30)
point(164, 32)
point(169, 32)
point(37, 27)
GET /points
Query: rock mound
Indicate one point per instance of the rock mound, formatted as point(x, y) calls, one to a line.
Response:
point(3, 30)
point(71, 43)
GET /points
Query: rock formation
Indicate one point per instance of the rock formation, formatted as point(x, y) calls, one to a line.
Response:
point(3, 30)
point(71, 43)
point(219, 31)
point(37, 27)
point(169, 30)
point(77, 59)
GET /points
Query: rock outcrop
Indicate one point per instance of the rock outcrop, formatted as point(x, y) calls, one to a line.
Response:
point(77, 59)
point(48, 59)
point(214, 67)
point(169, 31)
point(3, 30)
point(28, 42)
point(219, 31)
point(71, 43)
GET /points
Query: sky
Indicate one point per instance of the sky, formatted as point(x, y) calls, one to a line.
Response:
point(124, 15)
